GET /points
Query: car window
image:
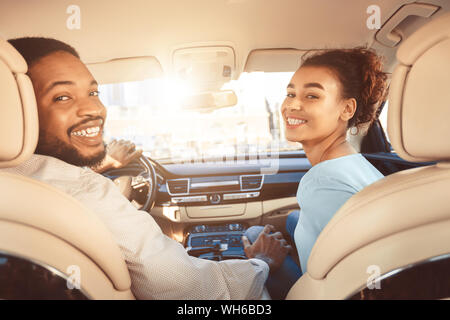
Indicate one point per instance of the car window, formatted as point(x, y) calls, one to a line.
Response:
point(148, 113)
point(383, 119)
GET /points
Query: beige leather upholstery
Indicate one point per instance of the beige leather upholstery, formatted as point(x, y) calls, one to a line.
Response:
point(389, 253)
point(419, 101)
point(37, 221)
point(380, 210)
point(404, 218)
point(18, 120)
point(64, 217)
point(48, 250)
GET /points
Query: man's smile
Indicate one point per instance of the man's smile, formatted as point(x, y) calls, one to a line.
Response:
point(90, 133)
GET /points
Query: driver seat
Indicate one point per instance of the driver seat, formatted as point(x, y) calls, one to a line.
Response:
point(51, 246)
point(392, 239)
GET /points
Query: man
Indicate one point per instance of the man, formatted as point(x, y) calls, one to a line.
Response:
point(71, 121)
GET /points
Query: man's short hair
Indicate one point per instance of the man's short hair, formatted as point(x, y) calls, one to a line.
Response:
point(33, 49)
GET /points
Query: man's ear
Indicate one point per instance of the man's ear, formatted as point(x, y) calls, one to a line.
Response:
point(349, 109)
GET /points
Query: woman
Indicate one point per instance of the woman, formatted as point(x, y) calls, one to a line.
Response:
point(333, 91)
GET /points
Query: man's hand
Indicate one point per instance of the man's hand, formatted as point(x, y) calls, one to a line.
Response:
point(118, 154)
point(271, 248)
point(122, 152)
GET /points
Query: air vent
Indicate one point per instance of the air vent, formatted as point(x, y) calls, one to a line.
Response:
point(253, 182)
point(178, 186)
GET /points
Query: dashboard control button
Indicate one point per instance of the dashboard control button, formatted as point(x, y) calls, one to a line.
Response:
point(200, 228)
point(234, 227)
point(214, 198)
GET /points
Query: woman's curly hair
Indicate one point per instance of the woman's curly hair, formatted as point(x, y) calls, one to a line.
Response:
point(360, 72)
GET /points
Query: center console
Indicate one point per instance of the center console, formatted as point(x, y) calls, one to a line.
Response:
point(216, 242)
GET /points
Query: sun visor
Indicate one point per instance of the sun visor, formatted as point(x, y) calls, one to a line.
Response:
point(274, 60)
point(126, 69)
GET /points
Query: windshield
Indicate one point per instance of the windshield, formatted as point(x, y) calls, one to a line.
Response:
point(148, 113)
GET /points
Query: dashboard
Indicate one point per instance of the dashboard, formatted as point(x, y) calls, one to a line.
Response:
point(214, 184)
point(208, 205)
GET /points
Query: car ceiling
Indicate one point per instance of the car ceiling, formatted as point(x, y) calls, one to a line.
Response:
point(115, 29)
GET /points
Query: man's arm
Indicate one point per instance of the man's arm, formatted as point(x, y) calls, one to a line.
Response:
point(269, 247)
point(159, 266)
point(118, 154)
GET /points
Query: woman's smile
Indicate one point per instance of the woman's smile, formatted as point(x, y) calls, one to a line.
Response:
point(293, 122)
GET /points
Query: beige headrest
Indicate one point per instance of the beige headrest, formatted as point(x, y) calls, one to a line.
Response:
point(64, 217)
point(419, 100)
point(18, 112)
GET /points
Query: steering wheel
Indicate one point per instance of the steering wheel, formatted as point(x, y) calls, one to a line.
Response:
point(137, 182)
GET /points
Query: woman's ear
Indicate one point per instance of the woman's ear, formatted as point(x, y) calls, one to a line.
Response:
point(349, 109)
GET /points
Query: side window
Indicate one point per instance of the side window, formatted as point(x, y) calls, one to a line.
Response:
point(383, 120)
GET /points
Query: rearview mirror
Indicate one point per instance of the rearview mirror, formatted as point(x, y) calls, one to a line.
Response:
point(209, 101)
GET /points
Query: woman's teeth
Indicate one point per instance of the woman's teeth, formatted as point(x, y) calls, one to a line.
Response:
point(89, 132)
point(293, 121)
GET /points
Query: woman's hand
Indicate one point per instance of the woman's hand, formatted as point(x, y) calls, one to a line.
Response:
point(118, 154)
point(271, 248)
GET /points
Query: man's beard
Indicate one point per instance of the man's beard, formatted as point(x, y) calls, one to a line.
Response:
point(49, 145)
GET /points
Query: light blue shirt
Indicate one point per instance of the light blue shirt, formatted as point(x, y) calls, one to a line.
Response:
point(322, 191)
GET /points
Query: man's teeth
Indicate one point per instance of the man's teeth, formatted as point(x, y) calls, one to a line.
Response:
point(89, 132)
point(293, 121)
